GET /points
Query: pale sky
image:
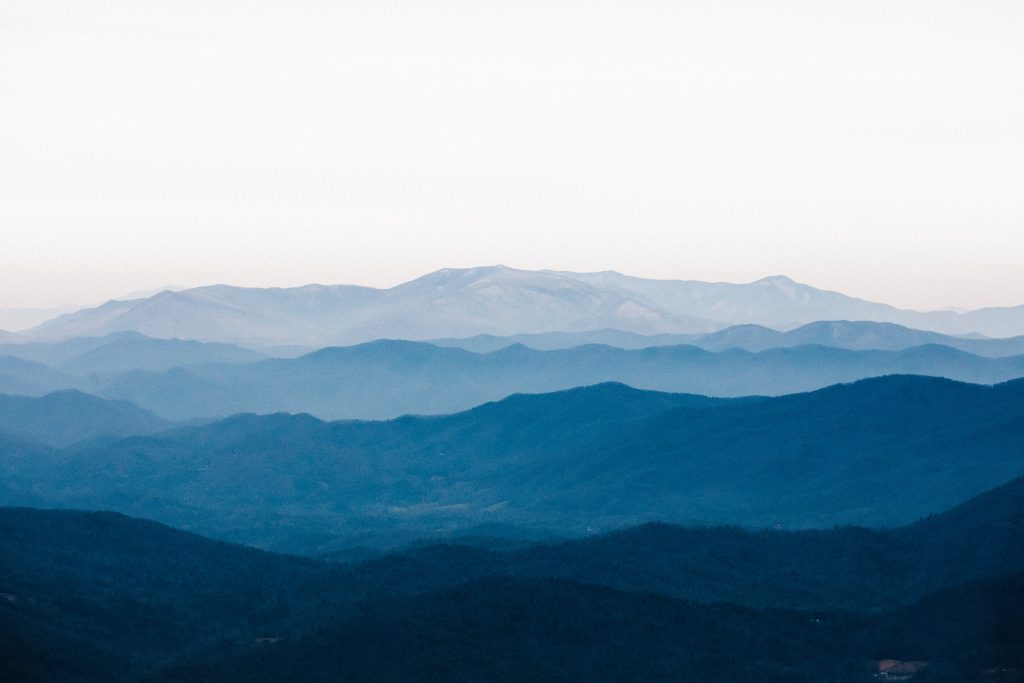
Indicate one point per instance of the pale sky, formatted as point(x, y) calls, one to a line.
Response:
point(876, 148)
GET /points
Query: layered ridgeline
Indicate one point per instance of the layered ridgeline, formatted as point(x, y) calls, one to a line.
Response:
point(67, 417)
point(125, 351)
point(180, 379)
point(857, 335)
point(505, 629)
point(387, 379)
point(86, 363)
point(879, 452)
point(101, 597)
point(391, 378)
point(498, 301)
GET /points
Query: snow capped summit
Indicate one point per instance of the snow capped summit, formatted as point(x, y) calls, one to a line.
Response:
point(495, 300)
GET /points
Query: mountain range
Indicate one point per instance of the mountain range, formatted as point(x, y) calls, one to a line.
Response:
point(96, 596)
point(841, 334)
point(498, 301)
point(387, 379)
point(884, 451)
point(508, 475)
point(178, 379)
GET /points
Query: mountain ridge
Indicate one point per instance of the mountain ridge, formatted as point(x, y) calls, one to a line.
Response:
point(854, 335)
point(68, 416)
point(495, 300)
point(388, 378)
point(882, 451)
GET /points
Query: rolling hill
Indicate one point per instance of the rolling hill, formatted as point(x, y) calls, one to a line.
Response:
point(98, 596)
point(848, 568)
point(20, 376)
point(94, 596)
point(66, 417)
point(877, 452)
point(505, 629)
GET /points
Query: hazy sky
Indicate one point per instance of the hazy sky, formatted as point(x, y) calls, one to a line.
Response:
point(872, 147)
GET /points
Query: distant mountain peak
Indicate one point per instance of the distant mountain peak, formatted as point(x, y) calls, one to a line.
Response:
point(776, 280)
point(498, 300)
